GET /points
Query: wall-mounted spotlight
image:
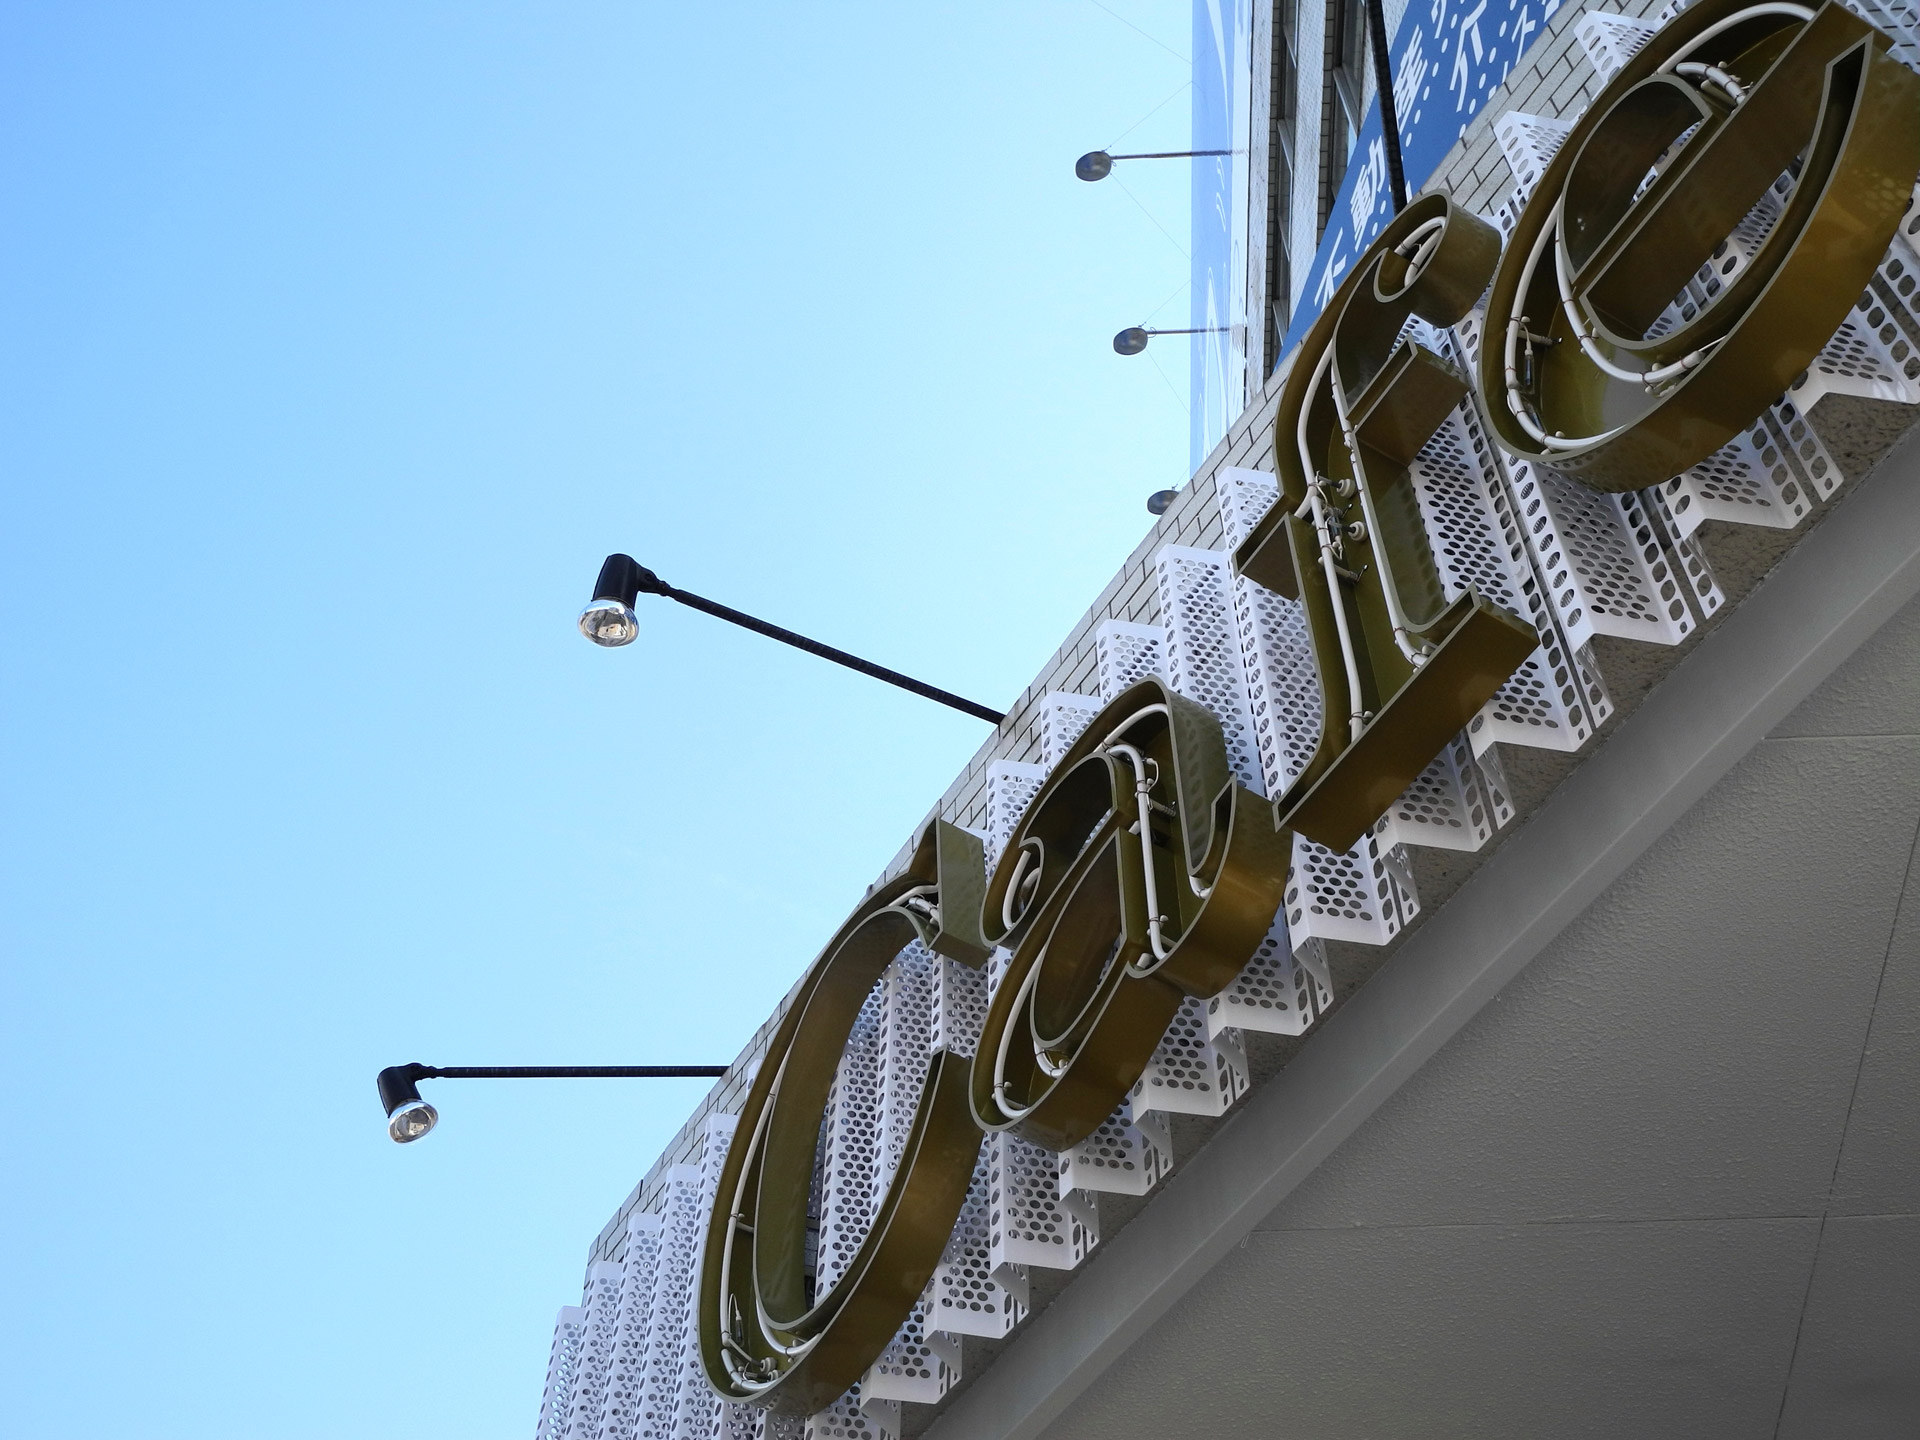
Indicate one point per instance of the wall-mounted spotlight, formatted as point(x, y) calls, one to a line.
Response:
point(609, 620)
point(1098, 164)
point(1134, 339)
point(1159, 501)
point(409, 1117)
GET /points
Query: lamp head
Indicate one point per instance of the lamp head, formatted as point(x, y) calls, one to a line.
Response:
point(1130, 341)
point(408, 1116)
point(609, 620)
point(1158, 502)
point(1094, 165)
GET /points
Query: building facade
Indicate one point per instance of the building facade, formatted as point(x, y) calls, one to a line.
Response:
point(1579, 1094)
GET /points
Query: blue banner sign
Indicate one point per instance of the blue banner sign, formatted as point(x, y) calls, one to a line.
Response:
point(1448, 57)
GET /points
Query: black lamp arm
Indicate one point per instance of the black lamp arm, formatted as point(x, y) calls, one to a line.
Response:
point(623, 578)
point(396, 1082)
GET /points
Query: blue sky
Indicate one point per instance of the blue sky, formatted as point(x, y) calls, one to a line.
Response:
point(340, 344)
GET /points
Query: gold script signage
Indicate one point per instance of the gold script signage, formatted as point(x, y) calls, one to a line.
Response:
point(1401, 670)
point(766, 1337)
point(1142, 873)
point(1734, 115)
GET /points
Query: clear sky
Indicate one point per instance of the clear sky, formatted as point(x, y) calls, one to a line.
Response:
point(341, 342)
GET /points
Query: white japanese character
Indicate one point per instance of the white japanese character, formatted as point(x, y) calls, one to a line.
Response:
point(1367, 185)
point(1412, 74)
point(1330, 277)
point(1469, 33)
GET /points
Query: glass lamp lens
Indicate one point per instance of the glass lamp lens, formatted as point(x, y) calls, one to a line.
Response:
point(412, 1120)
point(608, 622)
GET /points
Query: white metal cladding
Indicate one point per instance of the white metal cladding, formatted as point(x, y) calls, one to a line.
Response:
point(563, 1363)
point(907, 992)
point(1447, 807)
point(1011, 786)
point(1278, 992)
point(1063, 716)
point(1128, 1155)
point(1605, 569)
point(1353, 895)
point(966, 1297)
point(1555, 699)
point(1283, 693)
point(1528, 143)
point(1192, 1072)
point(909, 1368)
point(695, 1412)
point(672, 1279)
point(598, 1330)
point(1702, 591)
point(1610, 40)
point(1128, 654)
point(1203, 648)
point(1770, 476)
point(851, 1417)
point(959, 1007)
point(1028, 1223)
point(626, 1370)
point(1900, 19)
point(850, 1155)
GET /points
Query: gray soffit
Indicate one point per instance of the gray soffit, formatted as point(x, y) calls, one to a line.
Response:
point(1242, 1228)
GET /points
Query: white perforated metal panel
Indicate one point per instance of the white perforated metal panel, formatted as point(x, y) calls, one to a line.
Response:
point(1063, 716)
point(1128, 1155)
point(697, 1411)
point(966, 1298)
point(959, 1008)
point(851, 1417)
point(1011, 786)
point(1027, 1223)
point(1283, 692)
point(1192, 1073)
point(1702, 591)
point(909, 1368)
point(599, 1327)
point(1478, 540)
point(851, 1151)
point(907, 993)
point(1872, 354)
point(1899, 20)
point(1909, 233)
point(1355, 896)
point(1769, 476)
point(1203, 648)
point(1528, 144)
point(1128, 654)
point(1324, 890)
point(1605, 571)
point(1449, 807)
point(1609, 40)
point(563, 1364)
point(1277, 992)
point(626, 1370)
point(681, 1221)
